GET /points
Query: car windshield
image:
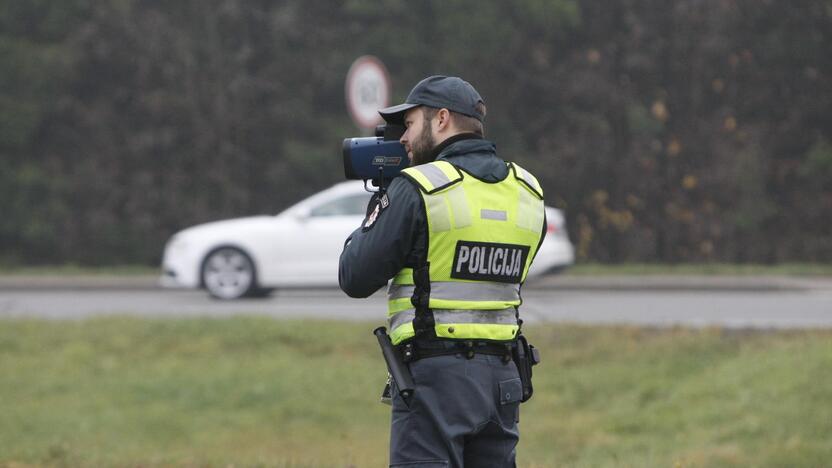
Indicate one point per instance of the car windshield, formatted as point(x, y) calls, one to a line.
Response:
point(351, 205)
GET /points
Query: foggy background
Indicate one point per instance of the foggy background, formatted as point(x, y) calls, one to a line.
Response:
point(684, 131)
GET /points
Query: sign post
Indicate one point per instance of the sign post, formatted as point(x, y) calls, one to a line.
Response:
point(367, 90)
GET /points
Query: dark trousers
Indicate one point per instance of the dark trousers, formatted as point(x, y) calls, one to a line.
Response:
point(464, 413)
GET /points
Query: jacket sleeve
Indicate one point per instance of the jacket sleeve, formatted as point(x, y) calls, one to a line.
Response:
point(384, 242)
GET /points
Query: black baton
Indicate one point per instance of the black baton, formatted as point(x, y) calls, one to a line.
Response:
point(395, 364)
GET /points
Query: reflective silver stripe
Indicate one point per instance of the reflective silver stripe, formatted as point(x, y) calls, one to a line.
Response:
point(526, 176)
point(459, 291)
point(506, 316)
point(484, 291)
point(498, 215)
point(434, 175)
point(439, 219)
point(529, 211)
point(401, 318)
point(524, 209)
point(438, 206)
point(495, 317)
point(399, 291)
point(459, 207)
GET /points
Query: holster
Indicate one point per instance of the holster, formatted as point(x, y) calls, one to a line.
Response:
point(525, 356)
point(396, 366)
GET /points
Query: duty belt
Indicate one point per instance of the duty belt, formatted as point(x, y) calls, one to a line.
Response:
point(419, 349)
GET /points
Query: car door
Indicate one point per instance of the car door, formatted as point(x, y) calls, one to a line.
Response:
point(318, 239)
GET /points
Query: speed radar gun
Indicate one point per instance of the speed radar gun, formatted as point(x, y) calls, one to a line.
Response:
point(376, 159)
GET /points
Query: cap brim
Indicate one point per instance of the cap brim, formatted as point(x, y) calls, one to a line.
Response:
point(395, 114)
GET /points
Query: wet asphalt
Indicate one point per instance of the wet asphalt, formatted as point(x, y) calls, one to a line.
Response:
point(698, 301)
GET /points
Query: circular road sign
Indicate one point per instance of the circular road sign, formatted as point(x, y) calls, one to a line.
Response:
point(367, 90)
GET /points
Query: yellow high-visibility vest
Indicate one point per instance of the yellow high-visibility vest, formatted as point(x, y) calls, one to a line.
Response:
point(482, 237)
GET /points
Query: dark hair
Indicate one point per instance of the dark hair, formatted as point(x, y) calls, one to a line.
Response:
point(429, 112)
point(462, 121)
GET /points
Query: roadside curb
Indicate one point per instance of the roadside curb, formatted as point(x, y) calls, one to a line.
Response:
point(64, 283)
point(552, 282)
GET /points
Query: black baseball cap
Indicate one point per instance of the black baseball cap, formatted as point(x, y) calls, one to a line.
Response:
point(449, 92)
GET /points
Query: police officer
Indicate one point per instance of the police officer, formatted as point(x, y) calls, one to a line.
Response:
point(456, 234)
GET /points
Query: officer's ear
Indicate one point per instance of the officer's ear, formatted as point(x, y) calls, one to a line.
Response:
point(443, 119)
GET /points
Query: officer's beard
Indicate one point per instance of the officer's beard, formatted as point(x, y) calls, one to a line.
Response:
point(422, 147)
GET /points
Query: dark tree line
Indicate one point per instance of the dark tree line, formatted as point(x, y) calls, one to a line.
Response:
point(693, 130)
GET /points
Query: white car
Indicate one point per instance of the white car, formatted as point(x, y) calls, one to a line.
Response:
point(299, 247)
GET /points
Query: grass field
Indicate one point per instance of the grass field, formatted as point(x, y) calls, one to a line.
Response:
point(707, 269)
point(261, 392)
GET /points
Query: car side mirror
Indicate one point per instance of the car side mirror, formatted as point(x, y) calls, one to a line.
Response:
point(302, 214)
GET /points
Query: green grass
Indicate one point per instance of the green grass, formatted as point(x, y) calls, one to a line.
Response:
point(785, 269)
point(262, 392)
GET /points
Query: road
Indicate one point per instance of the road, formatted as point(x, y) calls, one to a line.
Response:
point(738, 306)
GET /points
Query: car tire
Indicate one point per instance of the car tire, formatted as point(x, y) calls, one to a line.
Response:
point(228, 273)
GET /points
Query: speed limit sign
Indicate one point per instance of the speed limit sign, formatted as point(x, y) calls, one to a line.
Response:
point(367, 90)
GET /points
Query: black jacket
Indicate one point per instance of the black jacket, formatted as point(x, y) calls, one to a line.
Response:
point(396, 236)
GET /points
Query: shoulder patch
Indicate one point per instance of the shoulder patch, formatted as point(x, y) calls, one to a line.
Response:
point(380, 204)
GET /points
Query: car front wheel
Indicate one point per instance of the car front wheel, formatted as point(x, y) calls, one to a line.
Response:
point(228, 273)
